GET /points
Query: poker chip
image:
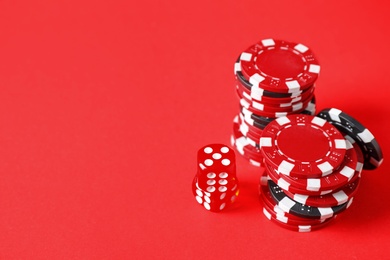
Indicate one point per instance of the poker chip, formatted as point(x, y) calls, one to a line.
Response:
point(279, 66)
point(264, 121)
point(274, 114)
point(296, 104)
point(257, 91)
point(263, 108)
point(282, 216)
point(241, 144)
point(295, 227)
point(243, 91)
point(242, 152)
point(299, 209)
point(285, 185)
point(328, 198)
point(336, 198)
point(250, 136)
point(338, 178)
point(287, 144)
point(276, 214)
point(270, 204)
point(311, 107)
point(252, 125)
point(354, 129)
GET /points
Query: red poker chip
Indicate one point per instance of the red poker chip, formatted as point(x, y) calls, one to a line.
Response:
point(286, 186)
point(279, 66)
point(247, 105)
point(252, 135)
point(262, 122)
point(282, 218)
point(256, 89)
point(285, 217)
point(273, 212)
point(252, 95)
point(241, 144)
point(287, 144)
point(295, 227)
point(336, 198)
point(252, 160)
point(254, 120)
point(259, 107)
point(338, 178)
point(247, 127)
point(280, 214)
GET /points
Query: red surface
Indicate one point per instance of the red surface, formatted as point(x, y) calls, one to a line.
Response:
point(103, 107)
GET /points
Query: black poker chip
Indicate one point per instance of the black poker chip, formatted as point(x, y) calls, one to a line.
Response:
point(348, 125)
point(299, 209)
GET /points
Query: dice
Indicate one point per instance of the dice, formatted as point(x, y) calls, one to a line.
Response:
point(215, 185)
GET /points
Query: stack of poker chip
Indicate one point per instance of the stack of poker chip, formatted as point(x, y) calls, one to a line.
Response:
point(274, 78)
point(313, 167)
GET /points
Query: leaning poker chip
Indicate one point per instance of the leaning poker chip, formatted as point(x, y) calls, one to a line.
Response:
point(297, 228)
point(353, 128)
point(359, 153)
point(333, 181)
point(279, 66)
point(257, 91)
point(299, 209)
point(329, 200)
point(287, 144)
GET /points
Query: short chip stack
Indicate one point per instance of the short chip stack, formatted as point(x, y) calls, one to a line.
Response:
point(274, 78)
point(313, 167)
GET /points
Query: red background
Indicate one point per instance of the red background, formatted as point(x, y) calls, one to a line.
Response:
point(104, 104)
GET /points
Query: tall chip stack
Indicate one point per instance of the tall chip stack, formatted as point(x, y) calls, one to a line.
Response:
point(274, 78)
